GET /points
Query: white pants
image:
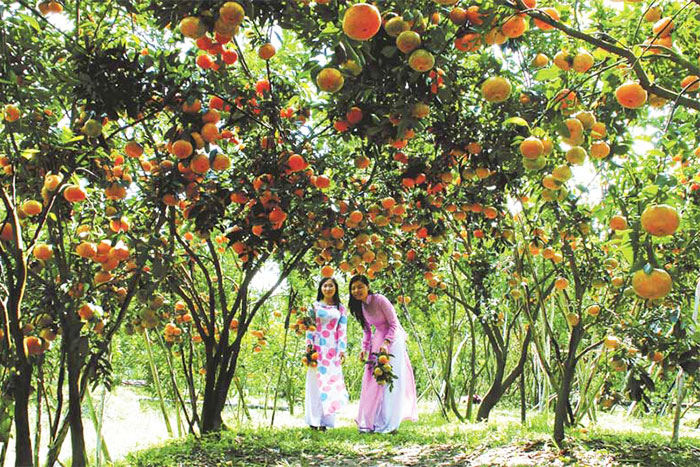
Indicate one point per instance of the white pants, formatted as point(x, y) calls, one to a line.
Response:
point(314, 411)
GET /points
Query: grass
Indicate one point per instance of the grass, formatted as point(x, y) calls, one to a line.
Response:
point(503, 441)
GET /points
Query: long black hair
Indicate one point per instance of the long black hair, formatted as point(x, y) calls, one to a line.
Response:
point(356, 305)
point(319, 294)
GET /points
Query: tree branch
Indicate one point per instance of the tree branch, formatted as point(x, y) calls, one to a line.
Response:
point(644, 80)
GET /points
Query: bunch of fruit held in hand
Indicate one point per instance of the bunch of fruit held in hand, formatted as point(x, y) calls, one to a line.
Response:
point(310, 358)
point(381, 368)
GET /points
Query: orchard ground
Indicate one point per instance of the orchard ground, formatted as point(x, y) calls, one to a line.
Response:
point(136, 435)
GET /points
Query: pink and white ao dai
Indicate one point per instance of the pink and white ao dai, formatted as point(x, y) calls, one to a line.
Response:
point(382, 410)
point(325, 386)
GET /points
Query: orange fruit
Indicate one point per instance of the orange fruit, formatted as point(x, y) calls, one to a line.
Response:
point(395, 26)
point(583, 61)
point(561, 283)
point(587, 118)
point(354, 115)
point(408, 41)
point(296, 163)
point(421, 60)
point(652, 286)
point(232, 14)
point(691, 83)
point(552, 13)
point(221, 162)
point(458, 16)
point(663, 27)
point(631, 95)
point(181, 149)
point(277, 216)
point(660, 220)
point(74, 194)
point(12, 113)
point(540, 60)
point(199, 164)
point(362, 162)
point(192, 107)
point(43, 251)
point(611, 342)
point(513, 27)
point(330, 80)
point(356, 217)
point(495, 36)
point(33, 345)
point(576, 155)
point(531, 147)
point(212, 116)
point(133, 149)
point(563, 60)
point(266, 51)
point(327, 271)
point(618, 223)
point(652, 15)
point(31, 207)
point(598, 130)
point(86, 250)
point(496, 89)
point(192, 27)
point(210, 132)
point(361, 21)
point(468, 42)
point(600, 150)
point(115, 191)
point(575, 128)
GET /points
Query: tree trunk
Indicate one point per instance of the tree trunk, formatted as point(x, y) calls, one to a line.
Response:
point(499, 386)
point(562, 408)
point(523, 408)
point(75, 419)
point(23, 442)
point(217, 386)
point(494, 393)
point(560, 411)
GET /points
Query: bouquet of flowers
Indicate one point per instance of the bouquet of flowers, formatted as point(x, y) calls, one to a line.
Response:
point(381, 369)
point(310, 358)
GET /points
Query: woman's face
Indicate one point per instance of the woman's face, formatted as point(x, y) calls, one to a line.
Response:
point(359, 290)
point(328, 289)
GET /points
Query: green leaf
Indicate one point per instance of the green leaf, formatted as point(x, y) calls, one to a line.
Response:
point(627, 250)
point(517, 121)
point(389, 51)
point(663, 180)
point(650, 190)
point(32, 22)
point(29, 153)
point(563, 130)
point(547, 74)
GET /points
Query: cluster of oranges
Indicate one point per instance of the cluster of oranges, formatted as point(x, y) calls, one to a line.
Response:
point(172, 333)
point(381, 368)
point(310, 358)
point(535, 149)
point(225, 25)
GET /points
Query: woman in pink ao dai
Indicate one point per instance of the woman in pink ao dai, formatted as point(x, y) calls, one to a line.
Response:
point(325, 385)
point(382, 409)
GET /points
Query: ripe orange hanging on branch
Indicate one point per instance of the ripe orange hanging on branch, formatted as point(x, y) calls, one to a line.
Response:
point(361, 21)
